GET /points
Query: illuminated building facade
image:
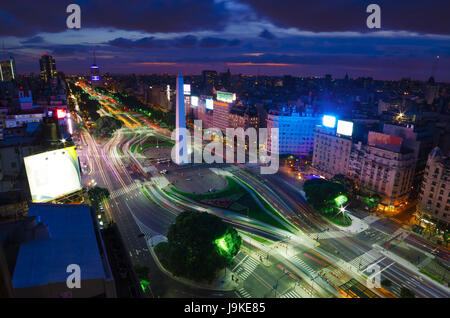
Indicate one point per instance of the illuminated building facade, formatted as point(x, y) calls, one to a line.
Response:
point(8, 70)
point(434, 197)
point(48, 68)
point(296, 131)
point(384, 171)
point(331, 152)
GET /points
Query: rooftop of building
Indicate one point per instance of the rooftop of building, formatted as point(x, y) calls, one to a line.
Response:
point(72, 240)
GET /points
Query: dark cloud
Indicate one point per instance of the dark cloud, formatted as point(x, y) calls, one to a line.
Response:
point(430, 16)
point(188, 41)
point(267, 35)
point(69, 50)
point(29, 17)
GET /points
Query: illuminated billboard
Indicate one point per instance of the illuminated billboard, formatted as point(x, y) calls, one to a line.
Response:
point(225, 97)
point(376, 138)
point(53, 174)
point(60, 113)
point(194, 101)
point(209, 104)
point(329, 121)
point(345, 127)
point(187, 89)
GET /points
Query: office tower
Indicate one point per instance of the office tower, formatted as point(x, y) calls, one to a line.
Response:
point(181, 154)
point(8, 70)
point(295, 130)
point(209, 80)
point(48, 68)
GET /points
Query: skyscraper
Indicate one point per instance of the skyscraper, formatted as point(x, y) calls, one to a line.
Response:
point(181, 151)
point(48, 68)
point(8, 70)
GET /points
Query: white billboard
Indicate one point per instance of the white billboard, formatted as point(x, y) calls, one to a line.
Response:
point(209, 103)
point(187, 89)
point(194, 101)
point(345, 127)
point(53, 174)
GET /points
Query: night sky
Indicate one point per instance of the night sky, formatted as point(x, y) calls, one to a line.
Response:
point(301, 38)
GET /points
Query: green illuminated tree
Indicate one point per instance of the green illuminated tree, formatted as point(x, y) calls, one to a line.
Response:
point(325, 196)
point(198, 246)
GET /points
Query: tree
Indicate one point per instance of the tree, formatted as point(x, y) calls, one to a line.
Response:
point(325, 196)
point(97, 195)
point(406, 293)
point(105, 126)
point(198, 246)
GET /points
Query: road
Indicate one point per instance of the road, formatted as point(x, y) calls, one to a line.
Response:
point(336, 257)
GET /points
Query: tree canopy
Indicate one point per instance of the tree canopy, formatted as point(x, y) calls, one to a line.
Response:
point(106, 125)
point(199, 245)
point(97, 194)
point(325, 195)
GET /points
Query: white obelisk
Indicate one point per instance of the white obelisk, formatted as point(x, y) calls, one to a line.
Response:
point(181, 156)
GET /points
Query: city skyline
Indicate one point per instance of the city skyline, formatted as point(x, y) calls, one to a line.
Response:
point(294, 37)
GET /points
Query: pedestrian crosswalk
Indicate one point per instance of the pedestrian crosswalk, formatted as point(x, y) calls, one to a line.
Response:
point(291, 294)
point(246, 267)
point(304, 267)
point(243, 293)
point(366, 259)
point(122, 191)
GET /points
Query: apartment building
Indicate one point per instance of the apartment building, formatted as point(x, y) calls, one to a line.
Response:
point(434, 196)
point(331, 152)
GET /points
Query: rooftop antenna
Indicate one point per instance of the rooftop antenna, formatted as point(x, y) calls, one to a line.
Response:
point(94, 58)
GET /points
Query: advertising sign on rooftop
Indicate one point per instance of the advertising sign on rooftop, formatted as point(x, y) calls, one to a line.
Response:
point(209, 104)
point(53, 174)
point(345, 127)
point(225, 97)
point(376, 138)
point(187, 89)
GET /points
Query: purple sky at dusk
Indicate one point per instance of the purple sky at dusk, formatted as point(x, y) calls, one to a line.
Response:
point(301, 38)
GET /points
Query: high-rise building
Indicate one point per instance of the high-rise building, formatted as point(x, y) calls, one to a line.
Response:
point(209, 79)
point(8, 70)
point(383, 169)
point(331, 154)
point(383, 165)
point(295, 130)
point(221, 115)
point(48, 68)
point(434, 197)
